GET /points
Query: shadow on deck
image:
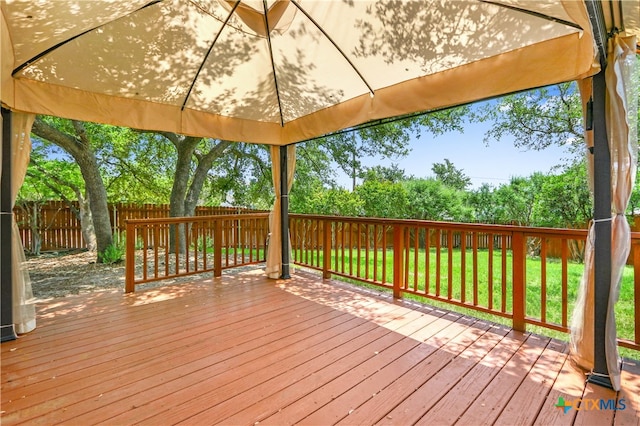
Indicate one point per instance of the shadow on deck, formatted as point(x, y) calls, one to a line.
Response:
point(243, 349)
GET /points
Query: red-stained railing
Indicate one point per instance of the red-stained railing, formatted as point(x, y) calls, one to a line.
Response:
point(528, 275)
point(161, 249)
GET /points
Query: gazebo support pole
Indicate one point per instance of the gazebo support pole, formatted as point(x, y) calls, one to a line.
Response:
point(602, 224)
point(6, 216)
point(284, 212)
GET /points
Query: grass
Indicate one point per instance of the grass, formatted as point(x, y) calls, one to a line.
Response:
point(488, 272)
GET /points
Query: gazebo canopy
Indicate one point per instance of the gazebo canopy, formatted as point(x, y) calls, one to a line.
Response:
point(282, 71)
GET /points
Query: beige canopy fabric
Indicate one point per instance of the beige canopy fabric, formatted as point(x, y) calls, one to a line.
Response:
point(208, 68)
point(24, 313)
point(621, 118)
point(274, 250)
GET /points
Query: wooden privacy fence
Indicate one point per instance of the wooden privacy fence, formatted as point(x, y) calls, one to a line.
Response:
point(59, 228)
point(506, 271)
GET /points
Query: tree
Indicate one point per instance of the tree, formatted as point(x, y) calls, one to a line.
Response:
point(515, 202)
point(431, 199)
point(483, 204)
point(77, 140)
point(392, 174)
point(538, 118)
point(383, 199)
point(388, 138)
point(53, 178)
point(564, 199)
point(448, 174)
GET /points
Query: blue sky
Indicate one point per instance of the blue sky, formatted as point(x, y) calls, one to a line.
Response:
point(494, 164)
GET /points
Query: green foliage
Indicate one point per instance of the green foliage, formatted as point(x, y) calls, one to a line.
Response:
point(39, 186)
point(392, 174)
point(483, 204)
point(448, 174)
point(383, 199)
point(564, 199)
point(537, 118)
point(431, 199)
point(515, 202)
point(335, 201)
point(113, 253)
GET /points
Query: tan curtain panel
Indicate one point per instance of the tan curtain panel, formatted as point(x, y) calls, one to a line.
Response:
point(621, 116)
point(274, 251)
point(24, 314)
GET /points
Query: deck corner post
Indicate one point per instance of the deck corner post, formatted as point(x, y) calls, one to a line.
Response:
point(398, 260)
point(217, 248)
point(518, 248)
point(326, 249)
point(130, 257)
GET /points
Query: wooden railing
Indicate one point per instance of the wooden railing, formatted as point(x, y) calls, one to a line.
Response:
point(162, 249)
point(528, 275)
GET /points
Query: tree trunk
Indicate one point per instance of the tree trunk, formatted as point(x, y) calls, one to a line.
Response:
point(185, 148)
point(79, 147)
point(86, 224)
point(34, 224)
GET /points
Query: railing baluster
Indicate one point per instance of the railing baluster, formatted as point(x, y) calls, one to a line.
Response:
point(384, 254)
point(416, 254)
point(398, 259)
point(474, 248)
point(503, 242)
point(463, 266)
point(438, 260)
point(375, 253)
point(145, 248)
point(367, 230)
point(490, 272)
point(565, 278)
point(359, 250)
point(217, 248)
point(449, 264)
point(155, 250)
point(427, 257)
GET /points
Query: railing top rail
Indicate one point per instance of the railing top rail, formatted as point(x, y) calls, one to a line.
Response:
point(478, 227)
point(185, 219)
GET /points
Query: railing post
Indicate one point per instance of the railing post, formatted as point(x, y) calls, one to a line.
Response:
point(326, 249)
point(518, 248)
point(217, 248)
point(398, 260)
point(636, 292)
point(130, 257)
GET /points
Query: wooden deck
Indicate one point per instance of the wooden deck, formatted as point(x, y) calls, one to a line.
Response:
point(242, 349)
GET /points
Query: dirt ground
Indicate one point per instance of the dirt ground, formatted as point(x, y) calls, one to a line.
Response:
point(60, 274)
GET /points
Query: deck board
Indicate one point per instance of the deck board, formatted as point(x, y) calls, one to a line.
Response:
point(242, 349)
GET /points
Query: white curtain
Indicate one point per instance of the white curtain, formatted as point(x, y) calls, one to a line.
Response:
point(274, 251)
point(621, 118)
point(24, 313)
